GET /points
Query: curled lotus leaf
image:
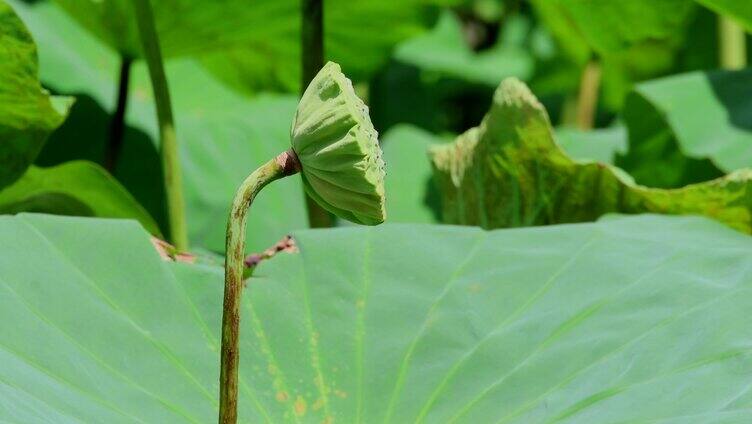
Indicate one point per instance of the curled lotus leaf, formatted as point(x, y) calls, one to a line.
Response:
point(510, 172)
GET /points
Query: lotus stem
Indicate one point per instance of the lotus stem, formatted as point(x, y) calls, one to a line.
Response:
point(168, 140)
point(587, 101)
point(117, 125)
point(283, 165)
point(568, 114)
point(733, 44)
point(312, 56)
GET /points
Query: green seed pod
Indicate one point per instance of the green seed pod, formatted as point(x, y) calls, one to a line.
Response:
point(338, 149)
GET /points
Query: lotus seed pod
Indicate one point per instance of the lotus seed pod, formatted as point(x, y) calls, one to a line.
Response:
point(338, 149)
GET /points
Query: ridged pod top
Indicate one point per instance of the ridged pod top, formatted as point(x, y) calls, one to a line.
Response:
point(338, 149)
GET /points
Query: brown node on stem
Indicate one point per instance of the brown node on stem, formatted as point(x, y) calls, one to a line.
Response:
point(289, 162)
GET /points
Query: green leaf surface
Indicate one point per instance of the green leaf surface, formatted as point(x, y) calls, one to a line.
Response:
point(689, 128)
point(600, 145)
point(112, 21)
point(411, 193)
point(563, 27)
point(610, 27)
point(259, 47)
point(71, 60)
point(445, 51)
point(575, 323)
point(739, 10)
point(633, 40)
point(510, 172)
point(73, 188)
point(28, 114)
point(360, 36)
point(222, 135)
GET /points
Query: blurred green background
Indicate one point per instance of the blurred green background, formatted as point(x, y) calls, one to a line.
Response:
point(656, 87)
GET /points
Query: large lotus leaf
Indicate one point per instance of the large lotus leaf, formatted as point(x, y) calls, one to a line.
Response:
point(739, 10)
point(359, 35)
point(258, 45)
point(28, 114)
point(559, 23)
point(444, 51)
point(610, 27)
point(113, 21)
point(689, 128)
point(70, 59)
point(73, 188)
point(222, 135)
point(567, 323)
point(633, 40)
point(510, 172)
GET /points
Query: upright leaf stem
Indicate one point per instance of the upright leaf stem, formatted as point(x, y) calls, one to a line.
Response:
point(587, 100)
point(733, 44)
point(168, 139)
point(283, 165)
point(568, 114)
point(312, 56)
point(117, 125)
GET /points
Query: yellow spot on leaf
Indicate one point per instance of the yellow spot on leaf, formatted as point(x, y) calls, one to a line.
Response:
point(474, 288)
point(318, 404)
point(282, 396)
point(141, 94)
point(300, 406)
point(340, 393)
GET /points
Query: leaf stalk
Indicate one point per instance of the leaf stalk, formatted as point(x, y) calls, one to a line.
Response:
point(173, 180)
point(312, 56)
point(733, 44)
point(587, 100)
point(117, 125)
